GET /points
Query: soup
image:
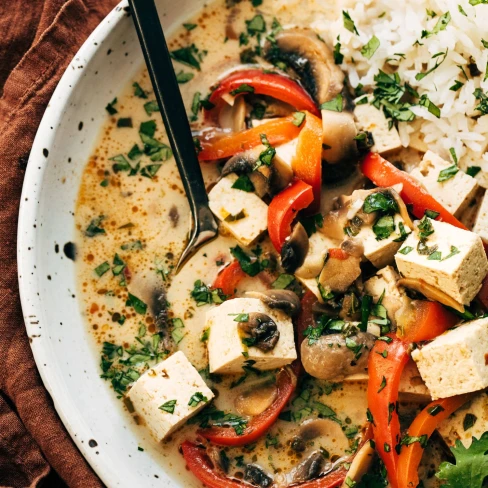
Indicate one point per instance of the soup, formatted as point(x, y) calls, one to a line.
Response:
point(334, 332)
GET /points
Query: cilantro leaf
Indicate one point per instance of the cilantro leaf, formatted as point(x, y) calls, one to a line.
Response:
point(471, 466)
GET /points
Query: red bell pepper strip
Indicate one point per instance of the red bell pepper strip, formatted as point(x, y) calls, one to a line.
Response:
point(307, 163)
point(271, 84)
point(278, 131)
point(385, 366)
point(228, 279)
point(260, 424)
point(284, 208)
point(200, 465)
point(429, 320)
point(382, 173)
point(304, 320)
point(424, 425)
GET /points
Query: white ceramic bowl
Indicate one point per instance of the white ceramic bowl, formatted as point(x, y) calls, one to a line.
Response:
point(67, 361)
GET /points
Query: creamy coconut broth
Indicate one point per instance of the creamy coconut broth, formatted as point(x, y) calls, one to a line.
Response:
point(348, 261)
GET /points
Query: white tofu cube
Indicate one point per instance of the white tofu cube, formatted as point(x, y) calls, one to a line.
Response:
point(385, 282)
point(481, 222)
point(412, 388)
point(381, 252)
point(456, 193)
point(173, 380)
point(452, 428)
point(373, 120)
point(225, 346)
point(286, 152)
point(455, 362)
point(318, 246)
point(459, 275)
point(241, 213)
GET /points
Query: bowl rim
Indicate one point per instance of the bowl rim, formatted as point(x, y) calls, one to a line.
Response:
point(26, 232)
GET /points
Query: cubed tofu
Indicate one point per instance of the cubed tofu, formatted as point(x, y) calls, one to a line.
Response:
point(373, 120)
point(456, 193)
point(473, 415)
point(226, 352)
point(481, 222)
point(385, 282)
point(381, 252)
point(412, 388)
point(286, 152)
point(318, 246)
point(459, 275)
point(456, 361)
point(241, 213)
point(171, 380)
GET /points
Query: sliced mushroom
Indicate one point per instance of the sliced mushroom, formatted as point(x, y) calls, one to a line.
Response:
point(267, 180)
point(333, 357)
point(339, 274)
point(402, 207)
point(314, 428)
point(353, 247)
point(309, 469)
point(257, 477)
point(351, 308)
point(339, 130)
point(310, 58)
point(360, 464)
point(285, 300)
point(295, 249)
point(431, 292)
point(262, 329)
point(233, 117)
point(256, 400)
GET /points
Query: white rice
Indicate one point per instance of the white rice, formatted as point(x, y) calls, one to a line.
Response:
point(398, 30)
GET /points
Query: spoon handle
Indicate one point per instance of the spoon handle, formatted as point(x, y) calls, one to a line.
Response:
point(172, 109)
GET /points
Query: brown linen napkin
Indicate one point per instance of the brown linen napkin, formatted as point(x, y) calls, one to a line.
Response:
point(38, 39)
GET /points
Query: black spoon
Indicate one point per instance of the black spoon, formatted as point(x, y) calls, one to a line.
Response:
point(173, 112)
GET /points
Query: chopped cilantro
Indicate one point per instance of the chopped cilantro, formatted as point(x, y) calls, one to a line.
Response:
point(138, 91)
point(244, 88)
point(384, 227)
point(334, 105)
point(94, 228)
point(124, 122)
point(137, 304)
point(448, 173)
point(189, 27)
point(256, 25)
point(243, 183)
point(121, 164)
point(370, 48)
point(405, 250)
point(382, 384)
point(135, 152)
point(457, 85)
point(151, 107)
point(110, 108)
point(473, 170)
point(298, 118)
point(338, 57)
point(183, 77)
point(188, 56)
point(202, 294)
point(283, 281)
point(148, 128)
point(101, 269)
point(454, 251)
point(168, 406)
point(431, 107)
point(435, 410)
point(349, 23)
point(197, 398)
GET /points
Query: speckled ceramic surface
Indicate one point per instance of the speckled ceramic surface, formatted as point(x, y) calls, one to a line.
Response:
point(65, 357)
